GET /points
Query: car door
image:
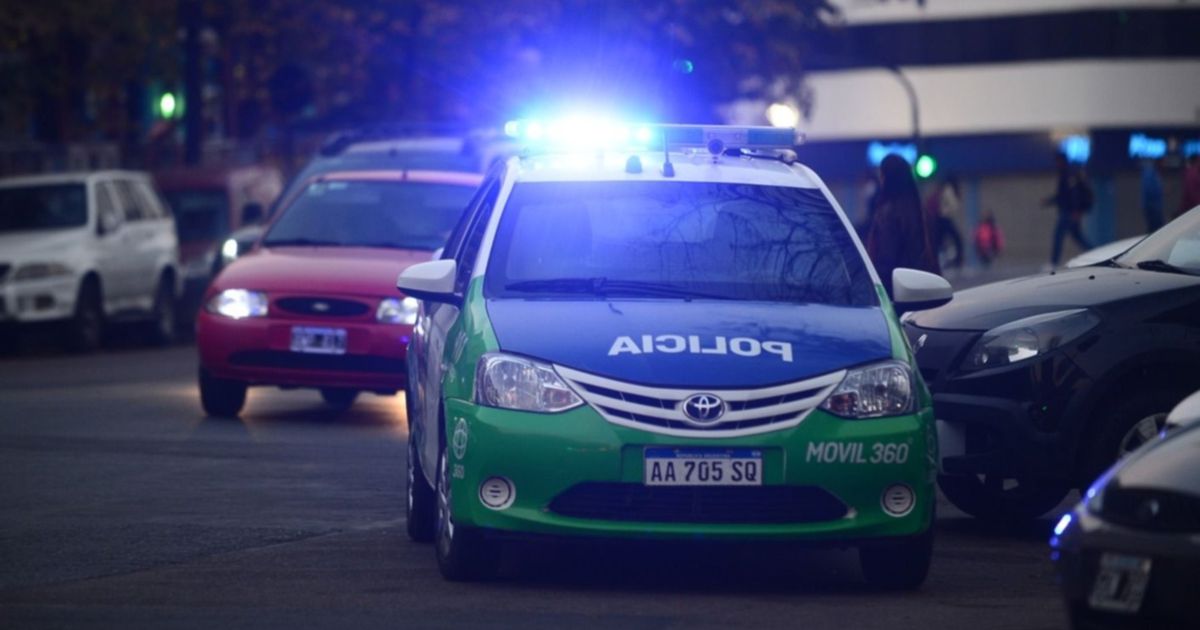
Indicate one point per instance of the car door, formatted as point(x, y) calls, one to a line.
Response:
point(113, 262)
point(439, 319)
point(139, 220)
point(161, 244)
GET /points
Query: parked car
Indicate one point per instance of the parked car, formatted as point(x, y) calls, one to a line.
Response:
point(1128, 555)
point(207, 204)
point(314, 304)
point(386, 147)
point(610, 349)
point(1041, 382)
point(85, 249)
point(1104, 252)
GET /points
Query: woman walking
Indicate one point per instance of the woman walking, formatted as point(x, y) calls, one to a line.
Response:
point(898, 235)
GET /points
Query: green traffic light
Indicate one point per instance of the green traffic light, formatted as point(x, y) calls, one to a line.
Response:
point(926, 166)
point(167, 105)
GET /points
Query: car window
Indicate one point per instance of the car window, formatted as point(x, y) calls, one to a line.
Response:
point(474, 237)
point(732, 241)
point(152, 207)
point(1177, 244)
point(106, 211)
point(371, 213)
point(129, 202)
point(455, 240)
point(42, 207)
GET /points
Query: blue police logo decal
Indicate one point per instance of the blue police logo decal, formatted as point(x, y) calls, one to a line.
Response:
point(703, 408)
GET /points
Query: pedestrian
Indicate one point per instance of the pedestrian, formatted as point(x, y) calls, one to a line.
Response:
point(941, 210)
point(898, 236)
point(989, 240)
point(1152, 194)
point(1072, 197)
point(1191, 184)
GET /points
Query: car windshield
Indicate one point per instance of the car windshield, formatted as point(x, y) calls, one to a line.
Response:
point(676, 240)
point(358, 213)
point(1173, 248)
point(42, 207)
point(200, 215)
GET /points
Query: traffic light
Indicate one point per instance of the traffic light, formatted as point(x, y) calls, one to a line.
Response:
point(168, 106)
point(926, 166)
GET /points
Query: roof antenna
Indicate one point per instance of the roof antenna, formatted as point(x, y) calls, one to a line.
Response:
point(668, 169)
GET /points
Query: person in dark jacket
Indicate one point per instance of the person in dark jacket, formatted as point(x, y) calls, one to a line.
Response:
point(1072, 197)
point(898, 235)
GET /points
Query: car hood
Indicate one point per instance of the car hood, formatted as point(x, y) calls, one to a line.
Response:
point(40, 245)
point(692, 344)
point(338, 270)
point(1170, 464)
point(991, 305)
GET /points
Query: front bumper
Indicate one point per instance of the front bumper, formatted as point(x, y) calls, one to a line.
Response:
point(44, 300)
point(258, 351)
point(1019, 421)
point(552, 456)
point(1169, 600)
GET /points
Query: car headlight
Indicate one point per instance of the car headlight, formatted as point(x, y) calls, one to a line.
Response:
point(398, 311)
point(1029, 337)
point(229, 251)
point(874, 391)
point(511, 382)
point(239, 303)
point(41, 271)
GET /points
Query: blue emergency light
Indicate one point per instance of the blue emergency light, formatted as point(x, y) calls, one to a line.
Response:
point(585, 134)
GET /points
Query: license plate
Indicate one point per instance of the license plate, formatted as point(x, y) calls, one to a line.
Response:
point(1120, 583)
point(703, 467)
point(316, 340)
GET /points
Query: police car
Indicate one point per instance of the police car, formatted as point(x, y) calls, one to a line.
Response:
point(672, 333)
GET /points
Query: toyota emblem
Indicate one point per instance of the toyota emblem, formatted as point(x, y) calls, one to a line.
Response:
point(703, 408)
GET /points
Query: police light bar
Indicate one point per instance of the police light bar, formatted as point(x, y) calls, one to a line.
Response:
point(579, 134)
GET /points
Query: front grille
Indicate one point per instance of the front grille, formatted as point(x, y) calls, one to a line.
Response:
point(745, 505)
point(658, 409)
point(1152, 510)
point(333, 363)
point(321, 307)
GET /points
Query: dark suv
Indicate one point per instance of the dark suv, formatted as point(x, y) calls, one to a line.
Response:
point(1041, 382)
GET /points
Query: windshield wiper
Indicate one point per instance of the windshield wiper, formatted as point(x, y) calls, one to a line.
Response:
point(605, 287)
point(284, 242)
point(1162, 265)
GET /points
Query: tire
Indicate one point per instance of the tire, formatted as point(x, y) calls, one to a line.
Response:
point(1002, 500)
point(339, 398)
point(462, 555)
point(163, 322)
point(901, 565)
point(86, 331)
point(221, 398)
point(421, 508)
point(1130, 423)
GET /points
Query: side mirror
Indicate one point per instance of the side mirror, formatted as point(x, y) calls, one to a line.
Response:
point(914, 290)
point(431, 281)
point(1184, 414)
point(252, 213)
point(107, 224)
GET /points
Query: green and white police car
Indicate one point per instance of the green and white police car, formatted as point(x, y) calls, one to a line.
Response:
point(673, 333)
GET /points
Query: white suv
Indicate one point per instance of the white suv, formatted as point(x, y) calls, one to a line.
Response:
point(85, 249)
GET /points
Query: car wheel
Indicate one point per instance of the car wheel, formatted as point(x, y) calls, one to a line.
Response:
point(901, 565)
point(162, 326)
point(339, 398)
point(1129, 424)
point(87, 323)
point(462, 555)
point(422, 503)
point(995, 498)
point(221, 398)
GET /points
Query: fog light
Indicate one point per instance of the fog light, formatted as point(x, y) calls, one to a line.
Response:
point(898, 500)
point(497, 493)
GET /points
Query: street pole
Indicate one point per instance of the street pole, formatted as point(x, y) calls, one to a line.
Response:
point(190, 14)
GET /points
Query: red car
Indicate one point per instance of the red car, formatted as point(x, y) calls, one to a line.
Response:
point(315, 304)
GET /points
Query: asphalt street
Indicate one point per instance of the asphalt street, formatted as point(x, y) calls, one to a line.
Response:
point(121, 505)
